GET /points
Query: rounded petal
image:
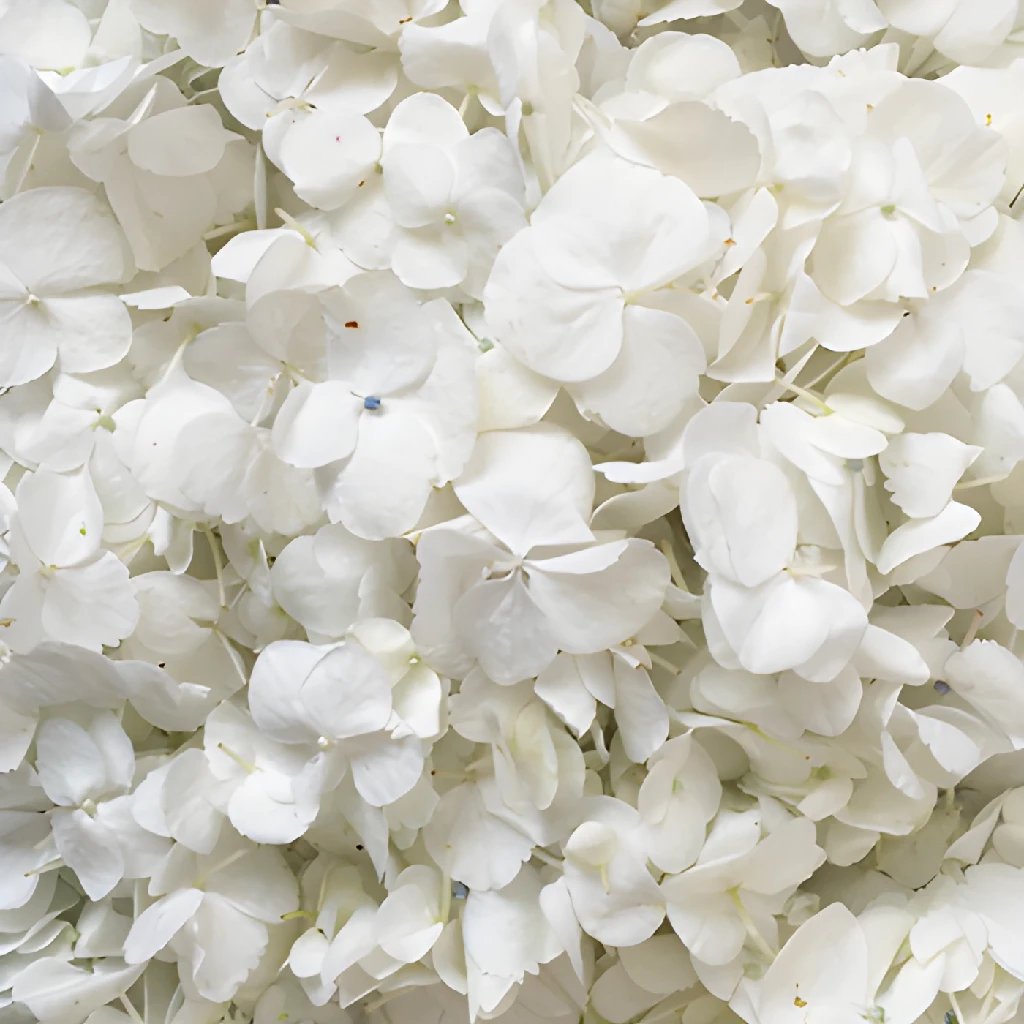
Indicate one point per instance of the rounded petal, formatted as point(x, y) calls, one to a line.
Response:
point(741, 514)
point(326, 154)
point(608, 222)
point(600, 596)
point(90, 850)
point(387, 770)
point(92, 331)
point(58, 240)
point(917, 536)
point(564, 333)
point(499, 624)
point(823, 967)
point(275, 686)
point(530, 487)
point(425, 119)
point(179, 142)
point(60, 516)
point(656, 371)
point(382, 489)
point(70, 764)
point(347, 692)
point(159, 923)
point(317, 424)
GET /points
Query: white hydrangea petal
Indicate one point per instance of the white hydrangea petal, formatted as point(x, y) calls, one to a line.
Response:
point(185, 141)
point(655, 372)
point(917, 536)
point(158, 924)
point(59, 240)
point(317, 424)
point(327, 154)
point(564, 333)
point(529, 487)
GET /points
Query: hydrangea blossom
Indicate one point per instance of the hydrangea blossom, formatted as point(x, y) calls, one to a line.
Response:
point(511, 511)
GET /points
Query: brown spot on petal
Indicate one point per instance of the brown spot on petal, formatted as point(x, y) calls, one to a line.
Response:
point(351, 323)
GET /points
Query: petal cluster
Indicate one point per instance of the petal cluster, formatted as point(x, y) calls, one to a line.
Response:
point(511, 511)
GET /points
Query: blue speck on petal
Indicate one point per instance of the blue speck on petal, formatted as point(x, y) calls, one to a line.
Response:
point(371, 402)
point(459, 890)
point(941, 687)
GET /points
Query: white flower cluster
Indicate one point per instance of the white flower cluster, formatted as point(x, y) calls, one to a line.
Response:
point(512, 510)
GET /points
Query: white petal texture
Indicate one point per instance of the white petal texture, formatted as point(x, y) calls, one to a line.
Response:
point(511, 511)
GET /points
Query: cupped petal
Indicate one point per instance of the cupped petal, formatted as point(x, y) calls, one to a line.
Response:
point(328, 154)
point(159, 923)
point(784, 623)
point(186, 140)
point(232, 945)
point(59, 240)
point(69, 763)
point(564, 333)
point(212, 42)
point(92, 331)
point(741, 514)
point(430, 257)
point(382, 489)
point(600, 596)
point(822, 968)
point(28, 345)
point(347, 693)
point(609, 222)
point(426, 119)
point(60, 516)
point(376, 338)
point(854, 254)
point(530, 487)
point(656, 371)
point(317, 424)
point(721, 156)
point(917, 536)
point(418, 183)
point(90, 849)
point(275, 686)
point(270, 808)
point(387, 769)
point(500, 625)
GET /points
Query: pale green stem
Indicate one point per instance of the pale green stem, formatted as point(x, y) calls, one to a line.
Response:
point(748, 922)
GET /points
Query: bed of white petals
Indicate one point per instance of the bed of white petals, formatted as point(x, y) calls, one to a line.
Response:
point(511, 510)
